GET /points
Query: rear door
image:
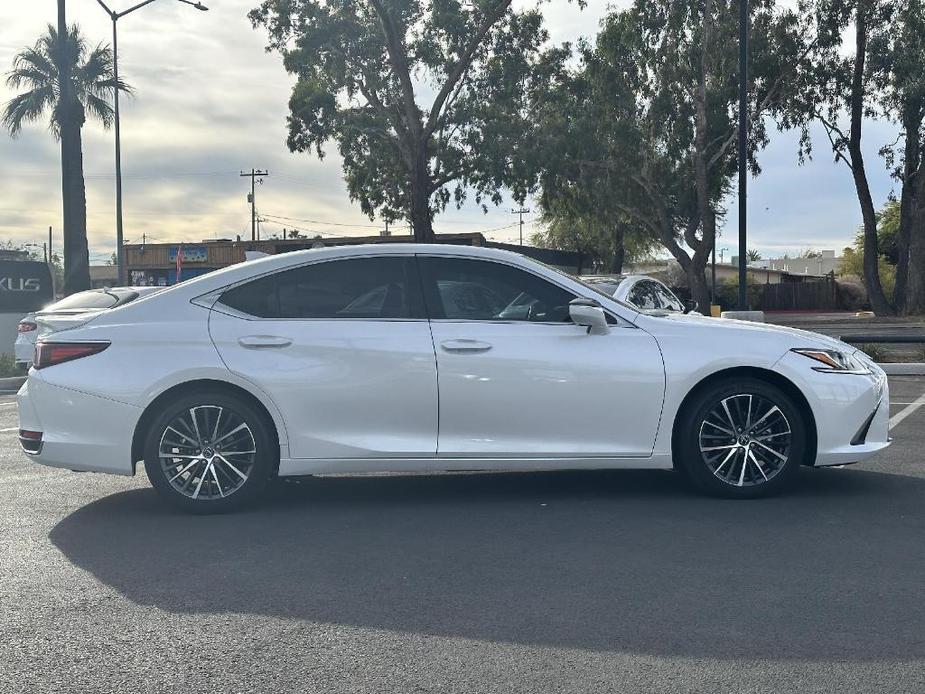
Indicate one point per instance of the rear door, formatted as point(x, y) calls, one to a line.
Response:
point(343, 348)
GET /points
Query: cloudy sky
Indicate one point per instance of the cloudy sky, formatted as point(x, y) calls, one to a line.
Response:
point(211, 102)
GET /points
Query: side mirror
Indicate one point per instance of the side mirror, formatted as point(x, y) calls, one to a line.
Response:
point(690, 305)
point(588, 313)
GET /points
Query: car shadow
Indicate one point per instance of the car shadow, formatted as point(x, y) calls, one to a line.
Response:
point(622, 561)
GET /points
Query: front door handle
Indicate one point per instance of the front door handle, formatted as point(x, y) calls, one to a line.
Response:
point(263, 342)
point(465, 346)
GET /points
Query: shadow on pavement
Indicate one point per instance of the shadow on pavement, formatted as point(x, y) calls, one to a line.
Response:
point(623, 561)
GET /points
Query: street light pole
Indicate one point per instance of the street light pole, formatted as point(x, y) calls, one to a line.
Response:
point(743, 143)
point(115, 16)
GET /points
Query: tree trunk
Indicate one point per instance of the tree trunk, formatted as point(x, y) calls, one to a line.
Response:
point(421, 214)
point(878, 300)
point(914, 303)
point(76, 256)
point(619, 249)
point(696, 276)
point(909, 296)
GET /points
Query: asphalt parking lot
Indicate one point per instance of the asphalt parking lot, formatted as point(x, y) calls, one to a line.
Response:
point(540, 582)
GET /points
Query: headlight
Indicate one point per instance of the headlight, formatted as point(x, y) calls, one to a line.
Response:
point(833, 360)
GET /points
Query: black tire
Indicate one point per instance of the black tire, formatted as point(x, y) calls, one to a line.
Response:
point(698, 427)
point(225, 487)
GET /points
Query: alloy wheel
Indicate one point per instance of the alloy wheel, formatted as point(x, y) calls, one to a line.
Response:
point(745, 440)
point(207, 452)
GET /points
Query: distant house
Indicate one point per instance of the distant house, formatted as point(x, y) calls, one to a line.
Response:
point(103, 276)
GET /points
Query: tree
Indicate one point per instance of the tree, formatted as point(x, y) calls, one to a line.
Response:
point(753, 255)
point(653, 117)
point(88, 79)
point(898, 65)
point(604, 245)
point(362, 67)
point(879, 73)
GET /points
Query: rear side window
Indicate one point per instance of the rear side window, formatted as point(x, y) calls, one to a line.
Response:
point(350, 288)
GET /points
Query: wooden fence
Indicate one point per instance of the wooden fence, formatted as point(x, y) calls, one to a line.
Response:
point(821, 295)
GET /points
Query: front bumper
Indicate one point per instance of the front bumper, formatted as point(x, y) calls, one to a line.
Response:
point(842, 405)
point(79, 431)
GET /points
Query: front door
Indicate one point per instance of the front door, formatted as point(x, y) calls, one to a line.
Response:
point(519, 379)
point(343, 348)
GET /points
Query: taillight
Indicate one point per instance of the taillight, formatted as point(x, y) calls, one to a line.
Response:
point(52, 353)
point(26, 327)
point(31, 441)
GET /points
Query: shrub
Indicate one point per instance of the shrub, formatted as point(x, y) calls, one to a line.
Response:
point(8, 366)
point(852, 294)
point(875, 352)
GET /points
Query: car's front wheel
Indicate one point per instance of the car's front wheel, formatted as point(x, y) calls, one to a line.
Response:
point(741, 438)
point(209, 452)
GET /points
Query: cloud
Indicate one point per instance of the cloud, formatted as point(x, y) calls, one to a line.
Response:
point(211, 102)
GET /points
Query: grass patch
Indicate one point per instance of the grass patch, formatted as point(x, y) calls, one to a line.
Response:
point(875, 352)
point(8, 366)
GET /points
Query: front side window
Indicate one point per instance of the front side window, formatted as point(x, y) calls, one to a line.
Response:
point(384, 287)
point(464, 289)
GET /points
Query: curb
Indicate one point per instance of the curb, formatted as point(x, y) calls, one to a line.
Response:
point(911, 369)
point(12, 383)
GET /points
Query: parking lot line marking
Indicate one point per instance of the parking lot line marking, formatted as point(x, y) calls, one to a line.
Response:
point(7, 404)
point(906, 411)
point(10, 429)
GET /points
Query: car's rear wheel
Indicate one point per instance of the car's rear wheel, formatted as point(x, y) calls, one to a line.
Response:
point(209, 452)
point(741, 438)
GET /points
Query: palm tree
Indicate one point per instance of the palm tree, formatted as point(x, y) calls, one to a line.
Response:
point(40, 72)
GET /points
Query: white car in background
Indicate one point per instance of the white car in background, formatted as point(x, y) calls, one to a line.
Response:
point(65, 312)
point(407, 357)
point(643, 292)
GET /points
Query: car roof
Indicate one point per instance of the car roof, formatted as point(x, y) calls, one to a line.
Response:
point(280, 261)
point(205, 285)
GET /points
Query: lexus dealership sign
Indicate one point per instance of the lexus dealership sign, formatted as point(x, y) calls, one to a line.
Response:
point(24, 286)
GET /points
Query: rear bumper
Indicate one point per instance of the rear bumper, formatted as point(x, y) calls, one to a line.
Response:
point(79, 431)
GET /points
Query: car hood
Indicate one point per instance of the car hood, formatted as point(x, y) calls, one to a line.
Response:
point(800, 338)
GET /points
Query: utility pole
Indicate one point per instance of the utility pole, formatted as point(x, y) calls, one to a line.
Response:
point(254, 175)
point(521, 212)
point(713, 278)
point(743, 142)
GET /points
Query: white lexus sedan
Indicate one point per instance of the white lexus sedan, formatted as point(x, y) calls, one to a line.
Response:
point(404, 357)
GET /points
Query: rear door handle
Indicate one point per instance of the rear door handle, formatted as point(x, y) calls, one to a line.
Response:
point(465, 346)
point(263, 342)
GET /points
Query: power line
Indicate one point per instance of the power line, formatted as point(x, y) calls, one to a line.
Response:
point(318, 221)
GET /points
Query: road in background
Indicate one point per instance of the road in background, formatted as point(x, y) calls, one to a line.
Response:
point(533, 582)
